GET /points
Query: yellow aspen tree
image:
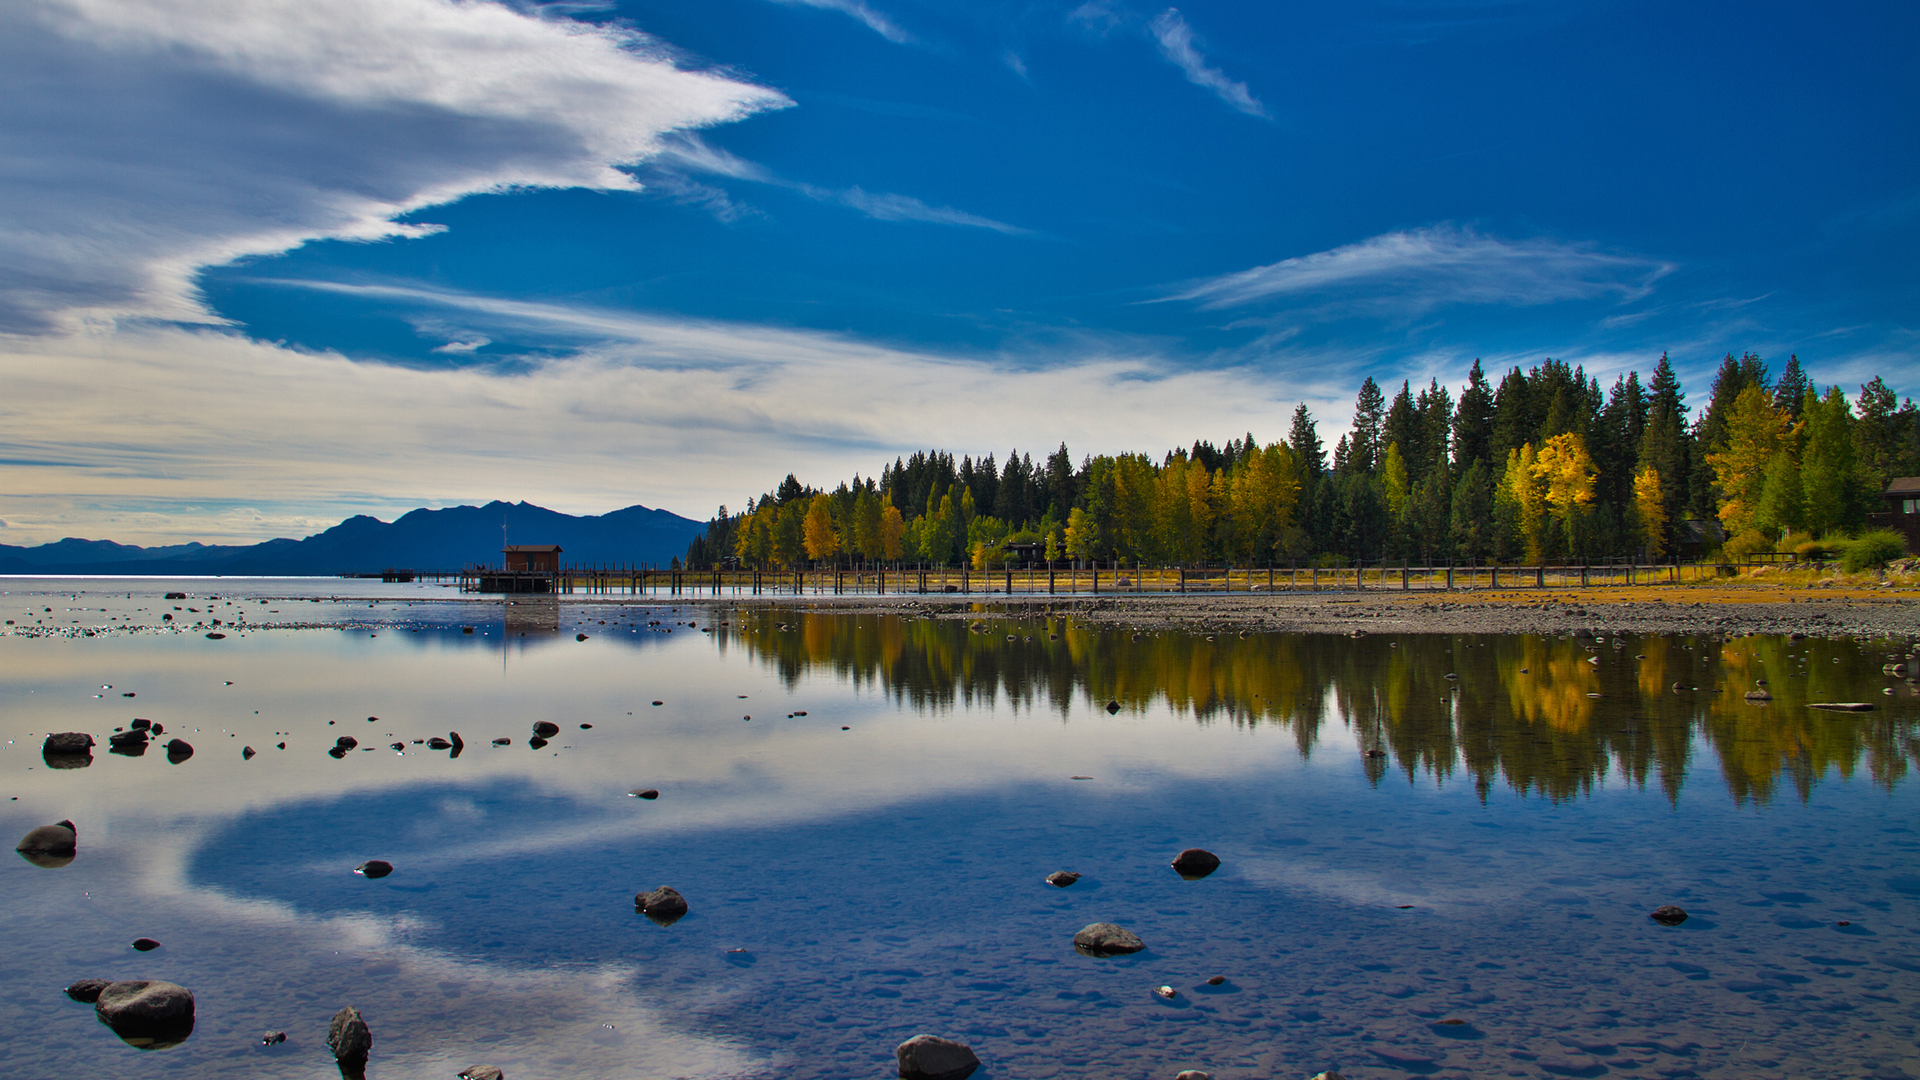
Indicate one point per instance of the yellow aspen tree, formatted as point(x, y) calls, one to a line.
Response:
point(1652, 510)
point(1565, 473)
point(1200, 511)
point(1393, 479)
point(1529, 499)
point(893, 528)
point(818, 534)
point(1755, 431)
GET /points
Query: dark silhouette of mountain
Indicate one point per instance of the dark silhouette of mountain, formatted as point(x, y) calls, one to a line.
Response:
point(420, 540)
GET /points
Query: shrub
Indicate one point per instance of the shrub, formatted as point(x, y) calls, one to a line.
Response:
point(1819, 550)
point(1744, 545)
point(1872, 550)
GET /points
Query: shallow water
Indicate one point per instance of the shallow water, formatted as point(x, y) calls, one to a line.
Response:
point(873, 869)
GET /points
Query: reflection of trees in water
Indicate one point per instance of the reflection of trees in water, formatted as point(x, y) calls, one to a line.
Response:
point(1521, 711)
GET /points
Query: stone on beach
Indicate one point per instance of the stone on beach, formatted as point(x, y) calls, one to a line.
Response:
point(1195, 863)
point(349, 1037)
point(930, 1057)
point(663, 905)
point(1106, 939)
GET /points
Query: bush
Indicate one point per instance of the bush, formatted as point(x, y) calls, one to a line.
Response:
point(1741, 547)
point(1873, 550)
point(1819, 550)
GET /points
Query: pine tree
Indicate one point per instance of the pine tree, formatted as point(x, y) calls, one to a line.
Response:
point(1369, 414)
point(1304, 438)
point(1473, 420)
point(1790, 390)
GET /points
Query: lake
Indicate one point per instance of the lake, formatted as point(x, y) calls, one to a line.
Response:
point(1438, 853)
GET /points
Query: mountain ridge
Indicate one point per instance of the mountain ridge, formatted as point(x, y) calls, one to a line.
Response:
point(445, 539)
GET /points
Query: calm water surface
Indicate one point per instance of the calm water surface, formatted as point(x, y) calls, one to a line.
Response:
point(872, 869)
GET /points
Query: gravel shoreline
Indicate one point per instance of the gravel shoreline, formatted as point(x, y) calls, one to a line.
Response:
point(1678, 611)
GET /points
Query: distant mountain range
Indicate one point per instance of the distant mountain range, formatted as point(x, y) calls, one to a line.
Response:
point(446, 539)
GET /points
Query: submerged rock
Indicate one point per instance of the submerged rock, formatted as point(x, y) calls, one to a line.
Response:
point(1668, 915)
point(1060, 879)
point(88, 990)
point(148, 1014)
point(930, 1057)
point(663, 905)
point(349, 1037)
point(1106, 939)
point(49, 846)
point(1195, 863)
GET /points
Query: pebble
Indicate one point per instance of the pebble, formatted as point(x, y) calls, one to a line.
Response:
point(546, 729)
point(644, 793)
point(1060, 879)
point(145, 944)
point(374, 868)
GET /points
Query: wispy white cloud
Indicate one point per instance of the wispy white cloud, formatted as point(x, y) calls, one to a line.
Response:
point(145, 139)
point(671, 412)
point(688, 153)
point(1421, 269)
point(874, 20)
point(1177, 44)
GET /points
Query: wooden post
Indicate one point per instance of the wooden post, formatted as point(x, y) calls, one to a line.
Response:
point(1403, 576)
point(1096, 579)
point(1183, 577)
point(1049, 578)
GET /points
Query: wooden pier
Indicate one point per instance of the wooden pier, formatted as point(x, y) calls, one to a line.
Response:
point(1400, 576)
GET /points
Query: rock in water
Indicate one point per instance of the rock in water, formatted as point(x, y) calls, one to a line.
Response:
point(1060, 879)
point(1196, 863)
point(145, 944)
point(438, 743)
point(179, 750)
point(149, 1015)
point(546, 729)
point(482, 1072)
point(67, 750)
point(645, 793)
point(1192, 1074)
point(49, 846)
point(349, 1037)
point(1328, 1075)
point(1106, 939)
point(663, 905)
point(1759, 695)
point(273, 1038)
point(1668, 915)
point(374, 868)
point(930, 1057)
point(88, 990)
point(1113, 707)
point(246, 753)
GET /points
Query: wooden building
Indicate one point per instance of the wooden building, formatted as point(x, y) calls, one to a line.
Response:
point(531, 558)
point(1902, 512)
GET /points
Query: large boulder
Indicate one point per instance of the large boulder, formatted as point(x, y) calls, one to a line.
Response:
point(67, 750)
point(663, 905)
point(930, 1057)
point(49, 846)
point(1106, 939)
point(151, 1015)
point(349, 1037)
point(1195, 863)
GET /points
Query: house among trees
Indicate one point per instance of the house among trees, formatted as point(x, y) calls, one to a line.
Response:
point(1903, 509)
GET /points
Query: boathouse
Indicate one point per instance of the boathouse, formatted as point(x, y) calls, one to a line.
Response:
point(531, 558)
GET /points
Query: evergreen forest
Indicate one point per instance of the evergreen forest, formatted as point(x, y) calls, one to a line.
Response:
point(1544, 466)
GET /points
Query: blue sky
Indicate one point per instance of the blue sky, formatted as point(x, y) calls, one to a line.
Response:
point(274, 262)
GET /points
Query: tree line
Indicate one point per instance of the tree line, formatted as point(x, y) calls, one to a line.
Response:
point(1542, 466)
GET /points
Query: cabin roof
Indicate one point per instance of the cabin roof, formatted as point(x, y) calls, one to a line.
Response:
point(512, 549)
point(1902, 486)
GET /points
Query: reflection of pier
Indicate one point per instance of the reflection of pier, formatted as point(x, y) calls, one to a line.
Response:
point(537, 618)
